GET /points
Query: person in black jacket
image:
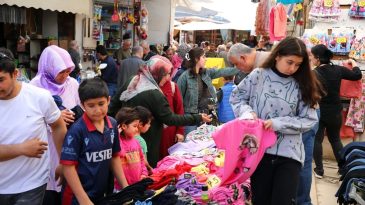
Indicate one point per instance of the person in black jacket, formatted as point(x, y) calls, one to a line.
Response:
point(330, 76)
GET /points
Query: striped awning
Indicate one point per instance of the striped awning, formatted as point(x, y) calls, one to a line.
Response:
point(72, 6)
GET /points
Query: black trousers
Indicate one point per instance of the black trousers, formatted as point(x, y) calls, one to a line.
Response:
point(52, 198)
point(331, 122)
point(275, 181)
point(34, 196)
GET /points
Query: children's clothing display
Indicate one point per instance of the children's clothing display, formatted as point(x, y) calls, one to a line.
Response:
point(212, 166)
point(357, 50)
point(339, 42)
point(325, 10)
point(357, 9)
point(356, 113)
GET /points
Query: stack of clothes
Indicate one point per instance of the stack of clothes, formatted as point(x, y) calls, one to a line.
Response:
point(352, 171)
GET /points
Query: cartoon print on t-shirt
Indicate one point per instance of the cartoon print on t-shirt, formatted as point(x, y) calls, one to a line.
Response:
point(248, 146)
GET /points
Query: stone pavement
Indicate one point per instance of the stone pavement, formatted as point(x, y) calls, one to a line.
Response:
point(323, 190)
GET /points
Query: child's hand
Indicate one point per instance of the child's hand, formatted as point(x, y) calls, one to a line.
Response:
point(179, 138)
point(143, 176)
point(149, 169)
point(59, 175)
point(206, 118)
point(268, 124)
point(67, 116)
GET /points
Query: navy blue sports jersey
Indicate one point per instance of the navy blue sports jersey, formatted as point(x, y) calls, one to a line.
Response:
point(91, 152)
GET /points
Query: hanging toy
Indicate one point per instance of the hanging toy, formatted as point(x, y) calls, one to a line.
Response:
point(131, 19)
point(115, 16)
point(144, 21)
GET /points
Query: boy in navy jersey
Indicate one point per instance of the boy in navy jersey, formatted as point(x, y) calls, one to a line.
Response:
point(91, 148)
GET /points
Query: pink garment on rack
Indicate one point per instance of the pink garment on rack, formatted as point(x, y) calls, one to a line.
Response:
point(277, 23)
point(355, 116)
point(244, 142)
point(350, 89)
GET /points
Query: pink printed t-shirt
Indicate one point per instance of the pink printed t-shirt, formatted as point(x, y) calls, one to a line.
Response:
point(240, 162)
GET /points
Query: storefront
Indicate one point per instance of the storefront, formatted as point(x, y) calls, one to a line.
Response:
point(27, 27)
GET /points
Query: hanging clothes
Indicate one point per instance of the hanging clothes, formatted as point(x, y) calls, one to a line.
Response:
point(289, 1)
point(355, 116)
point(325, 10)
point(261, 18)
point(277, 23)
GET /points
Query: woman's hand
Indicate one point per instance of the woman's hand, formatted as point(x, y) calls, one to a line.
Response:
point(68, 116)
point(179, 138)
point(206, 118)
point(352, 62)
point(268, 124)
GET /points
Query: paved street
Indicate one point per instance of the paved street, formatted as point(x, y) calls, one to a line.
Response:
point(323, 190)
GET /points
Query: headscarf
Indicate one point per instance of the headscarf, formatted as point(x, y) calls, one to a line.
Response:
point(148, 78)
point(53, 60)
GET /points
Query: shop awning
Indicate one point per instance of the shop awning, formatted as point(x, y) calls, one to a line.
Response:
point(73, 6)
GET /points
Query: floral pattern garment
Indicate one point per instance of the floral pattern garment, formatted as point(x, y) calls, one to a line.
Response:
point(355, 116)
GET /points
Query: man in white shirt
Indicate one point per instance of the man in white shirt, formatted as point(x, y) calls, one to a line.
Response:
point(26, 111)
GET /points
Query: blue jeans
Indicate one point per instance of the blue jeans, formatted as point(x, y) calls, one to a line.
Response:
point(305, 177)
point(189, 129)
point(112, 87)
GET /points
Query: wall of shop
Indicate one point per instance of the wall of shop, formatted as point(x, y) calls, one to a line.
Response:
point(159, 20)
point(49, 24)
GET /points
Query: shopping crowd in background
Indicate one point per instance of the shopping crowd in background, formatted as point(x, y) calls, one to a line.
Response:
point(70, 143)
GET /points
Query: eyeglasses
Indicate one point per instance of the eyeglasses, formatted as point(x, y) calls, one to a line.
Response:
point(3, 56)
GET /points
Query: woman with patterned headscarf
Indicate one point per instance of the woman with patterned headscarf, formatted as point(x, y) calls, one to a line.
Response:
point(144, 90)
point(54, 66)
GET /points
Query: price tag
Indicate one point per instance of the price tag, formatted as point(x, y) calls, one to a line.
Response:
point(341, 40)
point(361, 3)
point(213, 181)
point(328, 3)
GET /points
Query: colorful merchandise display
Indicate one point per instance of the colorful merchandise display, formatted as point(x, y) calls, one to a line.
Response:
point(357, 9)
point(357, 50)
point(339, 42)
point(325, 10)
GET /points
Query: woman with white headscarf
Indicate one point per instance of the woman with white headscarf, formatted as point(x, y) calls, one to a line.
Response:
point(54, 66)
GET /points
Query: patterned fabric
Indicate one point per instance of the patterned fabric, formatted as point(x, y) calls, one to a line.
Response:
point(148, 78)
point(355, 116)
point(325, 10)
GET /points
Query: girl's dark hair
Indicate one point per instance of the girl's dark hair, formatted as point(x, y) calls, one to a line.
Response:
point(93, 88)
point(144, 114)
point(322, 53)
point(193, 58)
point(309, 85)
point(126, 115)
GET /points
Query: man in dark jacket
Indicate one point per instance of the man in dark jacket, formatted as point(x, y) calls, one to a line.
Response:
point(130, 66)
point(75, 56)
point(147, 53)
